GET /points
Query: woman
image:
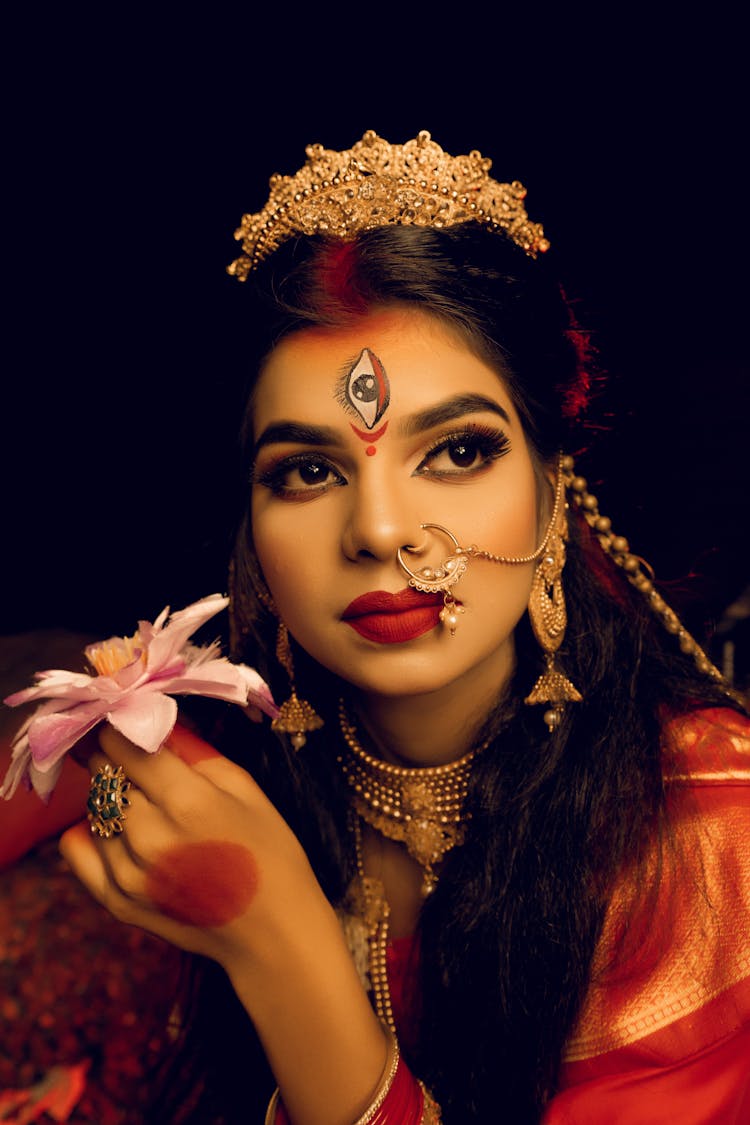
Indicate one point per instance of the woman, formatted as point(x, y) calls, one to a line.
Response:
point(474, 874)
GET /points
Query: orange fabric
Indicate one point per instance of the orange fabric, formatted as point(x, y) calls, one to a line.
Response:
point(26, 821)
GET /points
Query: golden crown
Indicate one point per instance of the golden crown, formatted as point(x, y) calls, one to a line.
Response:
point(377, 184)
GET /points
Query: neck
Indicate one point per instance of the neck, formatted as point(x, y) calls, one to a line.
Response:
point(429, 729)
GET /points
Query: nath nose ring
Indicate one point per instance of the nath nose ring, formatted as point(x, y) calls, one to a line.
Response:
point(439, 579)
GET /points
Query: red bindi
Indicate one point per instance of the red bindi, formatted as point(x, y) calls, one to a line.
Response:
point(371, 451)
point(204, 884)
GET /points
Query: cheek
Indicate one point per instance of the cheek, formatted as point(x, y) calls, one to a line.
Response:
point(505, 524)
point(294, 556)
point(206, 884)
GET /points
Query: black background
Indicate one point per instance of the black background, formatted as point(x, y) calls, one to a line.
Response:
point(136, 144)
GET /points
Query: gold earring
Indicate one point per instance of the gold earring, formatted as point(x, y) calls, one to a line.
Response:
point(296, 716)
point(548, 620)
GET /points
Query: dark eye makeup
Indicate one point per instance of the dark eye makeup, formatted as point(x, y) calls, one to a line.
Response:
point(464, 453)
point(453, 457)
point(302, 475)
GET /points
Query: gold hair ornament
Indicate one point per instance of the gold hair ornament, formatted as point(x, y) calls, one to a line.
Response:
point(376, 184)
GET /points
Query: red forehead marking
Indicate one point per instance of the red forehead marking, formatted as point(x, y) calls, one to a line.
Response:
point(204, 884)
point(371, 451)
point(363, 434)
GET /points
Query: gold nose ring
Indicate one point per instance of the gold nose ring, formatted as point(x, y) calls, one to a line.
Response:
point(431, 580)
point(439, 579)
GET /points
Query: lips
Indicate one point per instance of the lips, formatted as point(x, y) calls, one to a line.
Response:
point(393, 618)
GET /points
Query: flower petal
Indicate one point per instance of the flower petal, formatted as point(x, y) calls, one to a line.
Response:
point(51, 736)
point(54, 684)
point(167, 644)
point(44, 781)
point(147, 720)
point(220, 679)
point(158, 625)
point(19, 766)
point(126, 678)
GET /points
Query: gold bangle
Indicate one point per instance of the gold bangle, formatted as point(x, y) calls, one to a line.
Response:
point(381, 1093)
point(386, 1081)
point(273, 1105)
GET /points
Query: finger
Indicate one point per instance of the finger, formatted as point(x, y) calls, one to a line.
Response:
point(146, 833)
point(155, 774)
point(191, 748)
point(85, 747)
point(79, 850)
point(100, 875)
point(166, 776)
point(87, 860)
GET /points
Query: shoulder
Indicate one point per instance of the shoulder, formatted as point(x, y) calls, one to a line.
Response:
point(672, 970)
point(707, 747)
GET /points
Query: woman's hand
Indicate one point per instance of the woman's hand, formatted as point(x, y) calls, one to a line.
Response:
point(206, 862)
point(204, 859)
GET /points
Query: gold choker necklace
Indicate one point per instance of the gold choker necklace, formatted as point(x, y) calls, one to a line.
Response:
point(422, 808)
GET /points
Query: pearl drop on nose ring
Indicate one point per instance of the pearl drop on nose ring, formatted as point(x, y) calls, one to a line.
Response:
point(439, 579)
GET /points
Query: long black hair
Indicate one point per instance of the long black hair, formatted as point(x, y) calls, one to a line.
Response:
point(507, 938)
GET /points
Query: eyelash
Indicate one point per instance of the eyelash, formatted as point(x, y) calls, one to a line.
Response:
point(274, 477)
point(488, 443)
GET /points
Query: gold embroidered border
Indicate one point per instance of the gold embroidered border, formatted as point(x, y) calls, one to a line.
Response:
point(707, 925)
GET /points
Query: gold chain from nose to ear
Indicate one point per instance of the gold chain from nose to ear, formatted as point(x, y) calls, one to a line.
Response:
point(515, 560)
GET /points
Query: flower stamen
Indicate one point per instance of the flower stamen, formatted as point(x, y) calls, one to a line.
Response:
point(108, 657)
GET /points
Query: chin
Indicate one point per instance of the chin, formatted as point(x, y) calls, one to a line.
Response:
point(407, 674)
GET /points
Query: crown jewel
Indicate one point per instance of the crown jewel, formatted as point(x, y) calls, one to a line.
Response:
point(377, 184)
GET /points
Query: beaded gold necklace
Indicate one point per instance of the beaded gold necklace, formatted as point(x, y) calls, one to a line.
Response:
point(366, 906)
point(420, 808)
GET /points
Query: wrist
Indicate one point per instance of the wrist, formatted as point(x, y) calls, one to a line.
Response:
point(399, 1099)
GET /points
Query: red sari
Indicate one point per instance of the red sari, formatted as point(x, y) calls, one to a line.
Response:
point(664, 1034)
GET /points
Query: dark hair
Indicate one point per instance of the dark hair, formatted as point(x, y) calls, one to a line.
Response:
point(507, 938)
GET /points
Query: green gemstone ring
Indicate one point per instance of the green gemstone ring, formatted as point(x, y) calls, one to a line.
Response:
point(107, 801)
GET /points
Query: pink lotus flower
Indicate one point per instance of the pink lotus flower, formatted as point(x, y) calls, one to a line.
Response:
point(132, 688)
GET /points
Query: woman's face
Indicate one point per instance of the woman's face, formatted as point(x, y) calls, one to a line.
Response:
point(363, 434)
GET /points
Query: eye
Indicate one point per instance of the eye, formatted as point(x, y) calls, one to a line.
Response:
point(299, 477)
point(464, 454)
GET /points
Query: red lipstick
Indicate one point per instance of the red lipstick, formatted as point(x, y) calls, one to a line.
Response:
point(391, 619)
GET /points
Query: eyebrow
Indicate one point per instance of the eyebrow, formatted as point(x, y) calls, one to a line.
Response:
point(295, 432)
point(452, 408)
point(455, 407)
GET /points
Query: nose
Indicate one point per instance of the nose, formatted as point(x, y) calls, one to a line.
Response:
point(379, 522)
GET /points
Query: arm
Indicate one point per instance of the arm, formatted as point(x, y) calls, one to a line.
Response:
point(206, 862)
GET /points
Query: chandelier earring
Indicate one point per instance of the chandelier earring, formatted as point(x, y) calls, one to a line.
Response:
point(549, 619)
point(296, 716)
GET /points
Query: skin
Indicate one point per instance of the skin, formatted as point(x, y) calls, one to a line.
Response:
point(273, 931)
point(203, 884)
point(322, 545)
point(289, 965)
